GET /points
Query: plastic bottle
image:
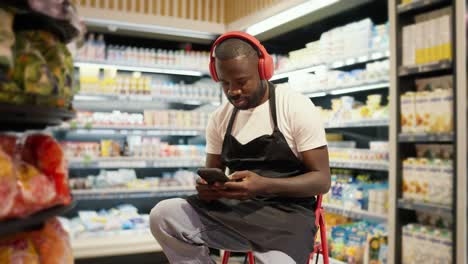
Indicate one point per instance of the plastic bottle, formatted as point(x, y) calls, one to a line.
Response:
point(100, 48)
point(91, 48)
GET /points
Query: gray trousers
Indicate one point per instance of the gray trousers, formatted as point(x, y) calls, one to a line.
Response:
point(185, 236)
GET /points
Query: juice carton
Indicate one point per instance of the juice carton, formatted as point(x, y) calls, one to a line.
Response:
point(445, 37)
point(409, 180)
point(423, 111)
point(408, 112)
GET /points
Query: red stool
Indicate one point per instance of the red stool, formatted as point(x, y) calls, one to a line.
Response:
point(319, 248)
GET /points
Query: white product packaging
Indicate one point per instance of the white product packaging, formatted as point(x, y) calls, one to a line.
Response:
point(423, 180)
point(445, 45)
point(447, 182)
point(408, 112)
point(408, 53)
point(436, 187)
point(419, 40)
point(431, 51)
point(408, 244)
point(446, 110)
point(409, 180)
point(424, 110)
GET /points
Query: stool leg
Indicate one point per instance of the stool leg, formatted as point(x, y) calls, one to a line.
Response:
point(251, 257)
point(226, 257)
point(323, 238)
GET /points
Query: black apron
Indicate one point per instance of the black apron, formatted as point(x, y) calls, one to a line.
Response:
point(268, 223)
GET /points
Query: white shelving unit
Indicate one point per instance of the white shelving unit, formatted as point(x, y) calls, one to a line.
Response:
point(163, 69)
point(360, 165)
point(134, 103)
point(347, 89)
point(134, 162)
point(355, 213)
point(362, 123)
point(114, 245)
point(121, 193)
point(371, 56)
point(128, 130)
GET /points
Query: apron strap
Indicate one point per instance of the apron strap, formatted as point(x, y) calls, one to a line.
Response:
point(272, 102)
point(231, 123)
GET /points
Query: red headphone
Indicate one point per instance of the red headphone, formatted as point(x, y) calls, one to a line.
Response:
point(265, 61)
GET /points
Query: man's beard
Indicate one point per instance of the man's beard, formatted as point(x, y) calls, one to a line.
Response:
point(253, 100)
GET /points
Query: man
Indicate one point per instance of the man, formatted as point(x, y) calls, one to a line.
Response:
point(273, 141)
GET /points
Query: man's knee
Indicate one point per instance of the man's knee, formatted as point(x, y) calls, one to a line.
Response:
point(164, 214)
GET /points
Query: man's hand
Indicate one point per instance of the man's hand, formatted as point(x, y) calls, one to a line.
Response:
point(243, 185)
point(207, 192)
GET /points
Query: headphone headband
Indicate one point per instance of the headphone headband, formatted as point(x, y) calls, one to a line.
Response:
point(265, 61)
point(239, 35)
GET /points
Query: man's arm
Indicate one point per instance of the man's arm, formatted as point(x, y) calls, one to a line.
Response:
point(316, 181)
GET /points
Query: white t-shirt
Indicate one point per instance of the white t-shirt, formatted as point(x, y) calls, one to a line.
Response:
point(298, 119)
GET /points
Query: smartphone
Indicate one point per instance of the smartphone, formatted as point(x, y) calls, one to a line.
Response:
point(212, 175)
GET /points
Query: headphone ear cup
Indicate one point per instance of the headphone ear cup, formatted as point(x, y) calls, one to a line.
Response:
point(261, 68)
point(268, 67)
point(213, 70)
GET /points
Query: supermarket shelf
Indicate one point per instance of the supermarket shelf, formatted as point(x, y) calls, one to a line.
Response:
point(286, 74)
point(103, 102)
point(373, 56)
point(362, 123)
point(348, 89)
point(354, 213)
point(418, 6)
point(99, 194)
point(132, 162)
point(116, 245)
point(33, 221)
point(424, 207)
point(147, 69)
point(114, 130)
point(18, 117)
point(443, 65)
point(443, 137)
point(360, 166)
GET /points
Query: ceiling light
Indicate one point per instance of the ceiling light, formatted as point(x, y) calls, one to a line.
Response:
point(288, 15)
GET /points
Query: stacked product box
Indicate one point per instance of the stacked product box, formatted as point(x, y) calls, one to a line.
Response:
point(350, 41)
point(430, 108)
point(425, 244)
point(429, 39)
point(429, 176)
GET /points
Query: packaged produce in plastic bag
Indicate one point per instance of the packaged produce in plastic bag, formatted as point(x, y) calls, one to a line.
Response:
point(7, 37)
point(18, 249)
point(35, 191)
point(53, 244)
point(31, 71)
point(7, 184)
point(46, 154)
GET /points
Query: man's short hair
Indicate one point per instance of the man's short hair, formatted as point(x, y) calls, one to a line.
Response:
point(233, 48)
